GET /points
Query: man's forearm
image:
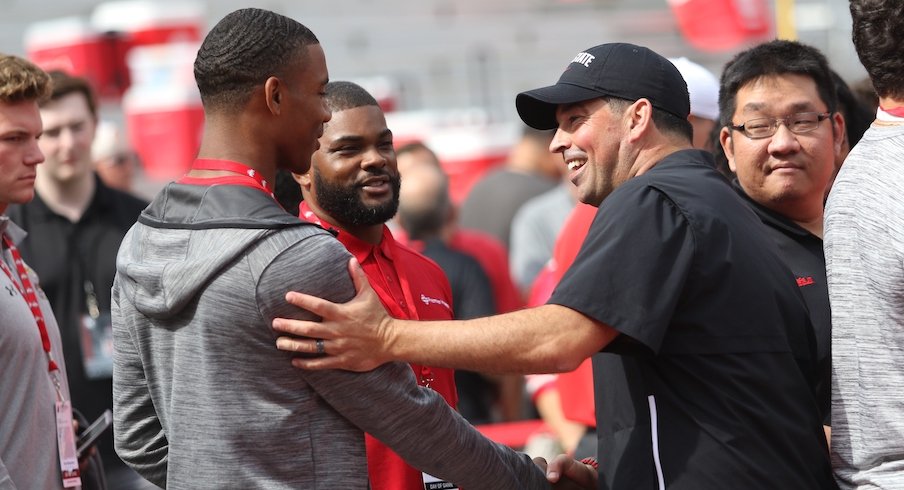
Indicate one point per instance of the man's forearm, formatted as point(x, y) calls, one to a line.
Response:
point(545, 339)
point(359, 335)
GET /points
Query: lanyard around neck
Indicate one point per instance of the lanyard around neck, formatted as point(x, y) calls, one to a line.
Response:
point(245, 175)
point(28, 292)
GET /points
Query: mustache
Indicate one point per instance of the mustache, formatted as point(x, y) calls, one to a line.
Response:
point(379, 175)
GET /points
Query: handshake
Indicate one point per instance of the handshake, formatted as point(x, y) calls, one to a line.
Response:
point(566, 473)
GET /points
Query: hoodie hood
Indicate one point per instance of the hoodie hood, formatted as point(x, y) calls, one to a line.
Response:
point(186, 236)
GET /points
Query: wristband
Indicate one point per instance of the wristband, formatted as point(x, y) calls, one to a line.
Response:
point(592, 462)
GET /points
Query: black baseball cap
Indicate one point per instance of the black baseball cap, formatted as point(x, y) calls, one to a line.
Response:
point(620, 70)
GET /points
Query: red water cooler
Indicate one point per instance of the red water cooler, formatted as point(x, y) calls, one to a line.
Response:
point(164, 128)
point(147, 23)
point(76, 47)
point(163, 110)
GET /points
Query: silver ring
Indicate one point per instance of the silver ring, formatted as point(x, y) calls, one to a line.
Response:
point(320, 349)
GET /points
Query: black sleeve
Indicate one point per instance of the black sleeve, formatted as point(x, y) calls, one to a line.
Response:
point(475, 294)
point(631, 270)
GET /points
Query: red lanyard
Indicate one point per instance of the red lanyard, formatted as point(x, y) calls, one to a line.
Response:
point(894, 111)
point(30, 297)
point(246, 176)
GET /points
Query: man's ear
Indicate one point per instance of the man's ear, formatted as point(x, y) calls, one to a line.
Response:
point(640, 117)
point(304, 180)
point(273, 95)
point(838, 131)
point(728, 148)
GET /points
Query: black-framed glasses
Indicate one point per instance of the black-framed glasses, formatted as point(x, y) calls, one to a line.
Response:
point(764, 127)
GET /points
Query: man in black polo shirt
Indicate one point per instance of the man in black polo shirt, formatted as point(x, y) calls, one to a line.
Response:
point(705, 350)
point(781, 136)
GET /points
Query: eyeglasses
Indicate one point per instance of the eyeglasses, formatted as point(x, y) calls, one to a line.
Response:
point(121, 158)
point(764, 127)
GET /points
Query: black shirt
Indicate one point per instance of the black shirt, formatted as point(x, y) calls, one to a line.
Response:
point(472, 294)
point(472, 297)
point(66, 255)
point(802, 252)
point(708, 387)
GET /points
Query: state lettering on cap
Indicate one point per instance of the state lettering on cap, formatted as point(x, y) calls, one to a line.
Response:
point(583, 58)
point(620, 70)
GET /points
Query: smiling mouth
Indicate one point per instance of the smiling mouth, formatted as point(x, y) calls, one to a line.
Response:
point(575, 164)
point(378, 185)
point(375, 182)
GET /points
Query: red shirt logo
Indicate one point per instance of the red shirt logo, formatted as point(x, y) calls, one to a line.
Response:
point(805, 281)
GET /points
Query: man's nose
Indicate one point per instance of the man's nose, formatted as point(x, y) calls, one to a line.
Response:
point(783, 141)
point(560, 142)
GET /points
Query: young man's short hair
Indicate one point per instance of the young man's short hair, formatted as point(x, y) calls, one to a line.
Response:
point(244, 49)
point(63, 84)
point(878, 34)
point(21, 80)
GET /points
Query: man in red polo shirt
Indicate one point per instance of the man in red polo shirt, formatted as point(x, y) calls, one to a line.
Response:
point(352, 188)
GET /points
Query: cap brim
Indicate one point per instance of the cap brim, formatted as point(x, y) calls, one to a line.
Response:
point(537, 107)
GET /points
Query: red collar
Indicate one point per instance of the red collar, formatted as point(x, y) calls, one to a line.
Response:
point(894, 111)
point(359, 248)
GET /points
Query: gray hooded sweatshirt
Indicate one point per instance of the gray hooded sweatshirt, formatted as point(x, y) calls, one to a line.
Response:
point(202, 399)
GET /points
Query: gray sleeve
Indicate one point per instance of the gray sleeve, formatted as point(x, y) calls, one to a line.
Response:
point(6, 483)
point(530, 247)
point(864, 252)
point(387, 403)
point(138, 435)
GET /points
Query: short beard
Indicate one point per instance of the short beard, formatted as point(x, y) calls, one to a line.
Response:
point(344, 205)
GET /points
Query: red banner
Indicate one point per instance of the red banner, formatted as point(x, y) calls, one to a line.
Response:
point(722, 25)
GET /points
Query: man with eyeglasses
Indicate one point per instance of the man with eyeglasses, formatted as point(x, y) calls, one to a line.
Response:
point(781, 133)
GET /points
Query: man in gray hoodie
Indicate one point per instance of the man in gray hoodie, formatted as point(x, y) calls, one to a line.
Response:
point(202, 398)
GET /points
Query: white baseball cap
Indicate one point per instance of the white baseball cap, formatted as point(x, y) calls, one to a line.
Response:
point(702, 86)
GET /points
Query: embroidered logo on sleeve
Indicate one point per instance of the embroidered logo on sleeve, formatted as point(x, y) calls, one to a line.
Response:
point(805, 281)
